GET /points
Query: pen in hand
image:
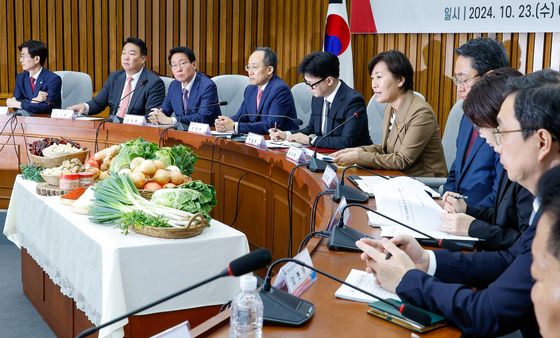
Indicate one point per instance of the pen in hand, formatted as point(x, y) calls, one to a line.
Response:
point(460, 197)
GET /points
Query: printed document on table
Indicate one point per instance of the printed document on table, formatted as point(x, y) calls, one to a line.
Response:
point(365, 281)
point(404, 199)
point(282, 144)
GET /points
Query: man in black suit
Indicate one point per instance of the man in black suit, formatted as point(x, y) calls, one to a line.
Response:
point(333, 102)
point(484, 293)
point(133, 90)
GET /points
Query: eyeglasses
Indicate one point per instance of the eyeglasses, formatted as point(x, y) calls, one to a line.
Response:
point(181, 65)
point(498, 134)
point(253, 68)
point(314, 85)
point(459, 83)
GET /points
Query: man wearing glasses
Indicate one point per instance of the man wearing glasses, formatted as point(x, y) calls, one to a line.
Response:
point(485, 293)
point(266, 100)
point(192, 96)
point(476, 170)
point(333, 102)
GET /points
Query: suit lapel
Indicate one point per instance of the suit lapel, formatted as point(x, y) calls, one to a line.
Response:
point(39, 81)
point(477, 144)
point(137, 93)
point(400, 121)
point(462, 149)
point(264, 96)
point(194, 92)
point(335, 106)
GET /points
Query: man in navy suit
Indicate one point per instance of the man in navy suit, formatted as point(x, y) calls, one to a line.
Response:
point(266, 95)
point(484, 293)
point(476, 170)
point(37, 89)
point(192, 97)
point(133, 90)
point(333, 102)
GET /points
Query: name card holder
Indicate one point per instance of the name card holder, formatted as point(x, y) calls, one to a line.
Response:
point(4, 111)
point(137, 120)
point(296, 155)
point(336, 217)
point(329, 178)
point(295, 278)
point(66, 114)
point(256, 140)
point(178, 331)
point(199, 128)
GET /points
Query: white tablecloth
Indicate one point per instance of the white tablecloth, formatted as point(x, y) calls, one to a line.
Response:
point(108, 273)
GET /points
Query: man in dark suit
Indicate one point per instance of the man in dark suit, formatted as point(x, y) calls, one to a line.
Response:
point(37, 89)
point(476, 169)
point(190, 89)
point(133, 90)
point(333, 102)
point(484, 293)
point(266, 95)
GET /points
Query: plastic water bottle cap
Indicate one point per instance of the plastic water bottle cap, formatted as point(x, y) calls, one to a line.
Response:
point(248, 283)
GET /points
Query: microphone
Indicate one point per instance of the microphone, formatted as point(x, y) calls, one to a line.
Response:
point(351, 194)
point(282, 308)
point(317, 165)
point(113, 117)
point(180, 125)
point(240, 266)
point(344, 237)
point(295, 120)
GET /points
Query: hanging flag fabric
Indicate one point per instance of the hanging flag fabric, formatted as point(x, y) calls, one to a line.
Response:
point(337, 39)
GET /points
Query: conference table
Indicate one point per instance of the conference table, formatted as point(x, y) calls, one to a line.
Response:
point(252, 186)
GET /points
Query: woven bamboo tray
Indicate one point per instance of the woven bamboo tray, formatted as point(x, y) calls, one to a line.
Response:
point(51, 162)
point(194, 228)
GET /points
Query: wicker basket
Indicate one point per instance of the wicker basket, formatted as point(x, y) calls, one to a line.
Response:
point(194, 228)
point(147, 194)
point(51, 162)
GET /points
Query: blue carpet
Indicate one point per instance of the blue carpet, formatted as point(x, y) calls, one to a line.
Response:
point(18, 318)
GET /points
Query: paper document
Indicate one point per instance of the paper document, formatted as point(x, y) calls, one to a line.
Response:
point(282, 144)
point(309, 152)
point(404, 199)
point(222, 133)
point(365, 281)
point(89, 118)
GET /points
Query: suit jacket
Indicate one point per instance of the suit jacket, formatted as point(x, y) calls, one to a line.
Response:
point(346, 102)
point(143, 99)
point(414, 143)
point(502, 224)
point(502, 301)
point(276, 100)
point(203, 93)
point(477, 176)
point(47, 82)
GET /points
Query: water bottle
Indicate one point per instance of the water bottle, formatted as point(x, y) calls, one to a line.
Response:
point(246, 319)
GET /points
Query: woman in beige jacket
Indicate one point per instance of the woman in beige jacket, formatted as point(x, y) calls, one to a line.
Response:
point(411, 136)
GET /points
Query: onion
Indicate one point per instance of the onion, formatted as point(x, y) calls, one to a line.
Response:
point(148, 167)
point(176, 177)
point(124, 171)
point(169, 186)
point(173, 168)
point(159, 164)
point(135, 163)
point(161, 176)
point(152, 186)
point(138, 179)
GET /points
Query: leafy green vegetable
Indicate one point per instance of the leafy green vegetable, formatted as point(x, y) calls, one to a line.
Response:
point(31, 172)
point(184, 158)
point(121, 161)
point(165, 155)
point(194, 197)
point(141, 148)
point(141, 219)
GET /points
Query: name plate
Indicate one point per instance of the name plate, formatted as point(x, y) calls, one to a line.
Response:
point(63, 114)
point(296, 155)
point(338, 213)
point(294, 278)
point(256, 140)
point(178, 331)
point(199, 128)
point(3, 111)
point(137, 120)
point(330, 180)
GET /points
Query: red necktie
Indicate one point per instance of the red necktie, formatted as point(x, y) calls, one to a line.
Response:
point(474, 135)
point(259, 96)
point(124, 104)
point(32, 79)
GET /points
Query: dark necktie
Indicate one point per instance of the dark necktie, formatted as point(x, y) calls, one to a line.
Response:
point(32, 79)
point(185, 100)
point(474, 135)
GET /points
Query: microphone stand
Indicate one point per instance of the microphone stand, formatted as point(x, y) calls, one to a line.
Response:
point(282, 308)
point(317, 165)
point(351, 194)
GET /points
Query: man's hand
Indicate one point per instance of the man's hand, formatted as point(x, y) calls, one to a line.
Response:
point(224, 123)
point(13, 103)
point(299, 138)
point(41, 97)
point(456, 224)
point(277, 134)
point(452, 204)
point(80, 108)
point(157, 116)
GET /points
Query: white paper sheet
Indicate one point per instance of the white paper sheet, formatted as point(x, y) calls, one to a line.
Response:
point(365, 281)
